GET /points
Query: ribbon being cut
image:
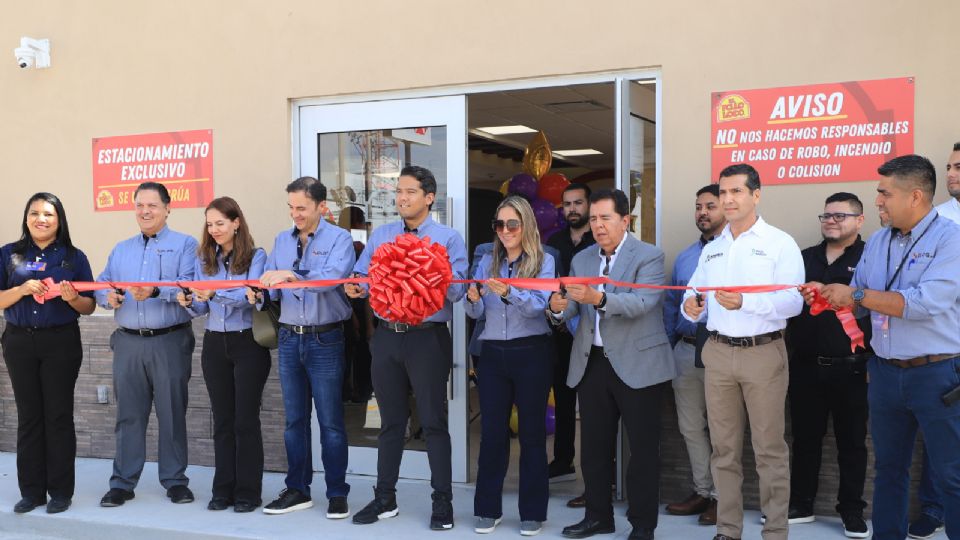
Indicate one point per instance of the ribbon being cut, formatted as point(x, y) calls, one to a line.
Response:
point(409, 278)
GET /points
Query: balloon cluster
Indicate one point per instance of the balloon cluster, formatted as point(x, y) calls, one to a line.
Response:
point(545, 196)
point(550, 422)
point(409, 279)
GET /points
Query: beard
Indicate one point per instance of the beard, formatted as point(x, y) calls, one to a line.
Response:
point(576, 221)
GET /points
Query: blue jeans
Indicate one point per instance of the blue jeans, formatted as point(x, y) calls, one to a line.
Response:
point(928, 493)
point(312, 365)
point(901, 401)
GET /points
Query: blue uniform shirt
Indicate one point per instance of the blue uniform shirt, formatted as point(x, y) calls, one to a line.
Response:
point(524, 314)
point(228, 310)
point(53, 262)
point(683, 268)
point(439, 234)
point(328, 254)
point(167, 256)
point(929, 282)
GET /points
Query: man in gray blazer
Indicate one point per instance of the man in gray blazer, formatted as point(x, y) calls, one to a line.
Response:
point(620, 361)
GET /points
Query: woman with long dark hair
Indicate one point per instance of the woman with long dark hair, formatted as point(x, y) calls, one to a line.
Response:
point(516, 367)
point(43, 351)
point(235, 367)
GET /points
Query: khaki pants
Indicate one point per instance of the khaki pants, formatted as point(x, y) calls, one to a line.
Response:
point(688, 393)
point(756, 377)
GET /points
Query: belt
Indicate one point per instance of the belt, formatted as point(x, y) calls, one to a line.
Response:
point(830, 361)
point(400, 328)
point(228, 332)
point(319, 329)
point(918, 361)
point(148, 332)
point(689, 339)
point(749, 341)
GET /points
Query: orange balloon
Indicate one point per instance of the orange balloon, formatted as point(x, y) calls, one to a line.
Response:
point(551, 188)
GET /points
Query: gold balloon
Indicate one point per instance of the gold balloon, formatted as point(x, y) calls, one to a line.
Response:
point(504, 187)
point(538, 156)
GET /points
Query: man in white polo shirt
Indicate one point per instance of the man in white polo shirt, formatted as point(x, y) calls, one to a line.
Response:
point(745, 357)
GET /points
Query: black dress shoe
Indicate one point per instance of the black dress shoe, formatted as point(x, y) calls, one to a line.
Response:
point(180, 494)
point(116, 497)
point(57, 505)
point(724, 537)
point(27, 504)
point(242, 507)
point(639, 533)
point(587, 528)
point(219, 503)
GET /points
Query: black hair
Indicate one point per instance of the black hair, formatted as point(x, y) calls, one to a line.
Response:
point(309, 185)
point(843, 196)
point(713, 189)
point(956, 147)
point(578, 186)
point(621, 205)
point(63, 230)
point(423, 175)
point(154, 186)
point(753, 177)
point(913, 168)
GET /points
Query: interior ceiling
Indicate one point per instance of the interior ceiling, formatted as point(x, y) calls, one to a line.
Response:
point(572, 117)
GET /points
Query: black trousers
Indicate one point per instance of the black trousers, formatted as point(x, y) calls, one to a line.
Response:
point(565, 401)
point(518, 372)
point(604, 401)
point(235, 369)
point(419, 360)
point(815, 393)
point(43, 365)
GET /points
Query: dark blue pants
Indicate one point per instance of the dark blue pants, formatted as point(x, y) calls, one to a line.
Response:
point(901, 402)
point(928, 493)
point(518, 371)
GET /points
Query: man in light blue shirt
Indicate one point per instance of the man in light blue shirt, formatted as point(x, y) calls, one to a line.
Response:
point(908, 280)
point(688, 388)
point(152, 348)
point(417, 357)
point(311, 346)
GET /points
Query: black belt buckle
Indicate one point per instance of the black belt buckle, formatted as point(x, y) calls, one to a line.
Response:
point(740, 341)
point(401, 328)
point(145, 332)
point(825, 361)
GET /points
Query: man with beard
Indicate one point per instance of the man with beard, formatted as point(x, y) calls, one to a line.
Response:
point(930, 521)
point(826, 379)
point(688, 390)
point(568, 242)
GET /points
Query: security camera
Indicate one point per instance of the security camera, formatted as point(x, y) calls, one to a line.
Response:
point(33, 52)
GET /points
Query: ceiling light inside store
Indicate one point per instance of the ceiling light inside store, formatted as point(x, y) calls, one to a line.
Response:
point(577, 152)
point(506, 130)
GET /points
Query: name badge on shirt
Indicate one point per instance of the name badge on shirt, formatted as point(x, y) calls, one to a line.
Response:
point(36, 266)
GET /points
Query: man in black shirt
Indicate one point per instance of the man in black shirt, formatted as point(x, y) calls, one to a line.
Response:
point(570, 241)
point(827, 378)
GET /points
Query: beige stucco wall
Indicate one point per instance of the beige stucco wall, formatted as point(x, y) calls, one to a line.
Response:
point(122, 67)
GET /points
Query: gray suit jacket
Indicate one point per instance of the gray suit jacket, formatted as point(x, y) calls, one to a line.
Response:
point(632, 323)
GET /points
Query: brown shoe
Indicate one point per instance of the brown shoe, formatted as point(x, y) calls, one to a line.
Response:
point(577, 502)
point(724, 537)
point(693, 505)
point(710, 516)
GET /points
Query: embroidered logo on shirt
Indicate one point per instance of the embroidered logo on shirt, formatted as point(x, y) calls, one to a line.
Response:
point(758, 252)
point(35, 266)
point(713, 256)
point(917, 255)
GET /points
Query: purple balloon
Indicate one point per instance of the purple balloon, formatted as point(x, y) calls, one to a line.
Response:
point(545, 235)
point(560, 219)
point(551, 420)
point(524, 185)
point(545, 213)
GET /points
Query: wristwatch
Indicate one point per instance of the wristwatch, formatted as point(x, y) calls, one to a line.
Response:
point(603, 301)
point(858, 296)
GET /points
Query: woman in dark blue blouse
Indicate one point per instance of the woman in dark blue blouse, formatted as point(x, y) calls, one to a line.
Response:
point(42, 350)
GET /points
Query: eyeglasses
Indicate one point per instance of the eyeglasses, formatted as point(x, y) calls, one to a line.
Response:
point(837, 217)
point(512, 225)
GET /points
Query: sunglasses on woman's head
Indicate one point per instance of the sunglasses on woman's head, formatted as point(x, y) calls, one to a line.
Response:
point(512, 225)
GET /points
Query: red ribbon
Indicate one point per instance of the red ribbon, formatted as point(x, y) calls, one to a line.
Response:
point(844, 315)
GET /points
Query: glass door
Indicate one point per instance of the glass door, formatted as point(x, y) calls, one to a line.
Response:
point(357, 151)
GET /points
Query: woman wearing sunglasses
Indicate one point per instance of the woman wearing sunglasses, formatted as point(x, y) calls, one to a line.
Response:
point(516, 366)
point(235, 367)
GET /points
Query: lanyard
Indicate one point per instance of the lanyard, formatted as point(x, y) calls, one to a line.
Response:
point(905, 253)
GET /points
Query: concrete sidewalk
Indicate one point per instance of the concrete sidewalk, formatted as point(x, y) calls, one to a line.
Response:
point(150, 516)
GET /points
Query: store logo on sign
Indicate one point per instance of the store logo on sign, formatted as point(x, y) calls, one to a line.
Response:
point(733, 107)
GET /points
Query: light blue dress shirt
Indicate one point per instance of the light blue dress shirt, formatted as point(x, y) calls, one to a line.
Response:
point(524, 314)
point(929, 283)
point(439, 234)
point(168, 256)
point(228, 309)
point(328, 254)
point(683, 269)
